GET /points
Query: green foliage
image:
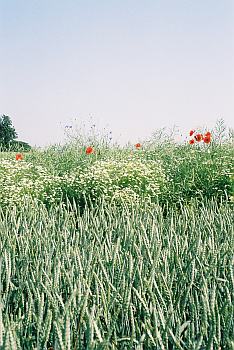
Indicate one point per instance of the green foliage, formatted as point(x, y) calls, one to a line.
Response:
point(203, 172)
point(7, 132)
point(8, 136)
point(59, 160)
point(19, 146)
point(166, 173)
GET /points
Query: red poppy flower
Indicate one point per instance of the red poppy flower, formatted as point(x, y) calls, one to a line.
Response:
point(191, 142)
point(19, 156)
point(198, 137)
point(138, 145)
point(89, 150)
point(206, 139)
point(208, 134)
point(191, 132)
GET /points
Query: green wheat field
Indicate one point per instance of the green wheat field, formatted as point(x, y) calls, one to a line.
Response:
point(118, 248)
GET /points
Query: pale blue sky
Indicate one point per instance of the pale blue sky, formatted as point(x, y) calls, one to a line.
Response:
point(135, 66)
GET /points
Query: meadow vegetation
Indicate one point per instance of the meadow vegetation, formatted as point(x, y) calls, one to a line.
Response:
point(118, 248)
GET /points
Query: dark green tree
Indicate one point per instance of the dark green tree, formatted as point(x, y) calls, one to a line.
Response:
point(8, 136)
point(7, 132)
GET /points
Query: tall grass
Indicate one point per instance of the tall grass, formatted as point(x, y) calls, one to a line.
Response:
point(117, 277)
